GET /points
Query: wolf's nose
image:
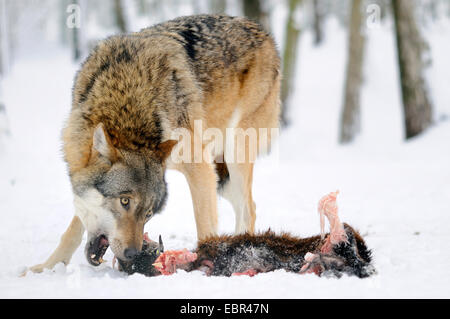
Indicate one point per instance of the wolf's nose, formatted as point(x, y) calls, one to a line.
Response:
point(130, 253)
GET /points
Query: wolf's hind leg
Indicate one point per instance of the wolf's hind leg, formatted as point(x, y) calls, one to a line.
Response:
point(253, 136)
point(238, 191)
point(70, 241)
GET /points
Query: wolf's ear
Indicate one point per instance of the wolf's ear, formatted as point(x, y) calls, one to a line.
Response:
point(164, 149)
point(102, 144)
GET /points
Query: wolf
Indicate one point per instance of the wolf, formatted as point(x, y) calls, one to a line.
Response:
point(131, 93)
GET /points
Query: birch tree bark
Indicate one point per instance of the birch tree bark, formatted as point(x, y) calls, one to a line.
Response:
point(350, 117)
point(410, 50)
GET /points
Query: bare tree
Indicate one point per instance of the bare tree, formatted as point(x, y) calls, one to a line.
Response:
point(218, 6)
point(196, 7)
point(63, 31)
point(448, 8)
point(254, 9)
point(119, 15)
point(4, 42)
point(4, 61)
point(75, 30)
point(350, 117)
point(318, 21)
point(291, 40)
point(142, 7)
point(410, 50)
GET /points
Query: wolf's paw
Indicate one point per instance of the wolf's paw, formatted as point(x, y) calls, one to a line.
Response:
point(37, 268)
point(168, 261)
point(34, 269)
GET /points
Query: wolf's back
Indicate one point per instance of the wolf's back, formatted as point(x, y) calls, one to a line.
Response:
point(142, 85)
point(214, 42)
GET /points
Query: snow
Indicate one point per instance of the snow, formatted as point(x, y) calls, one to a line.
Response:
point(396, 193)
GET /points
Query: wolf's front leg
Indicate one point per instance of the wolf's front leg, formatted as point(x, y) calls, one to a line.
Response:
point(70, 241)
point(202, 181)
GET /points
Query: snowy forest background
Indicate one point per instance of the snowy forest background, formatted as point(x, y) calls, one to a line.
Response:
point(366, 109)
point(79, 24)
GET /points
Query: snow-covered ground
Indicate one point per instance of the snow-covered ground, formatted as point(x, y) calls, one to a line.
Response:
point(396, 193)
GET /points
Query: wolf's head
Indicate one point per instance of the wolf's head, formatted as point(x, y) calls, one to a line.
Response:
point(117, 193)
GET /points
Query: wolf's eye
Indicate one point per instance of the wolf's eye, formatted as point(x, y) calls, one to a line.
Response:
point(125, 202)
point(149, 215)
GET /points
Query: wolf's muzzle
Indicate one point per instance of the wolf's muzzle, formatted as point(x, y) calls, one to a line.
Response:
point(96, 249)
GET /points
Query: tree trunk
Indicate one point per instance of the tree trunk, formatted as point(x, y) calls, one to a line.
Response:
point(218, 6)
point(253, 9)
point(4, 48)
point(119, 15)
point(350, 118)
point(291, 40)
point(4, 42)
point(76, 42)
point(142, 7)
point(318, 21)
point(63, 32)
point(76, 49)
point(410, 48)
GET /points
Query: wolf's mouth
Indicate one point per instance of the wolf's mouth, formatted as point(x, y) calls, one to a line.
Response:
point(143, 262)
point(96, 250)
